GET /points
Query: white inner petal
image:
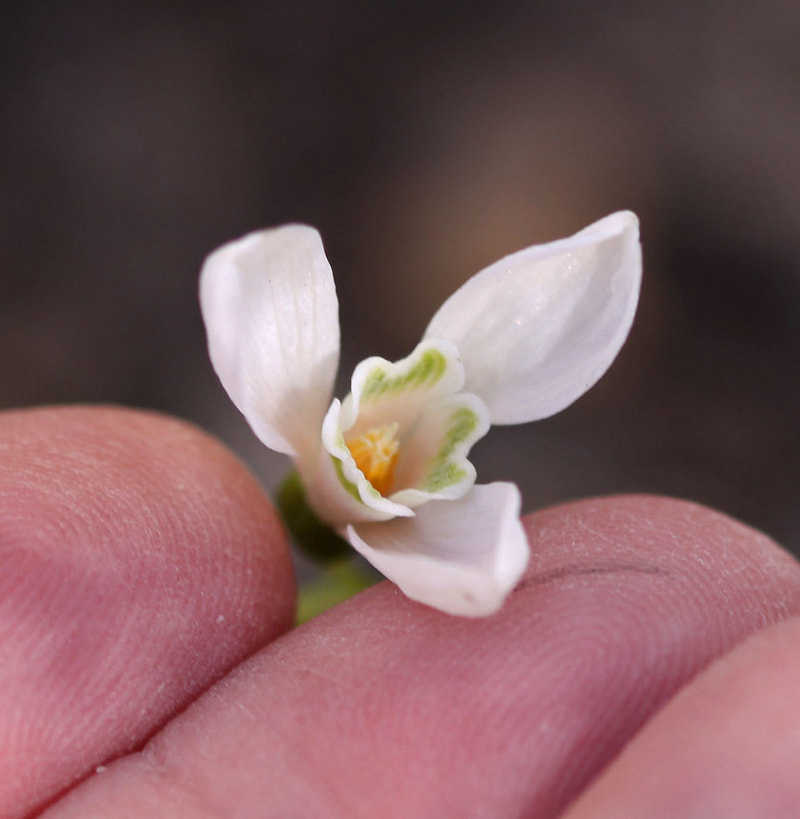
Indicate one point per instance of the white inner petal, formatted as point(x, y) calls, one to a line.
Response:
point(402, 436)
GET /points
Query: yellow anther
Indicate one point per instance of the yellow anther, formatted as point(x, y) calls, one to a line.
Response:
point(375, 454)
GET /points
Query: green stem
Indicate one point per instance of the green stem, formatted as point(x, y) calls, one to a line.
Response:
point(313, 537)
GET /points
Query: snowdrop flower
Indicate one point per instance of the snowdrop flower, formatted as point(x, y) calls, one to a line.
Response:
point(387, 467)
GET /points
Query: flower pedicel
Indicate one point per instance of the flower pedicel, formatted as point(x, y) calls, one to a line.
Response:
point(387, 467)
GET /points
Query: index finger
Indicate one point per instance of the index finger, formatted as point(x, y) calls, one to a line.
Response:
point(383, 707)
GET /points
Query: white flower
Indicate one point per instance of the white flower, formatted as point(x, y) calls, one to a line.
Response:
point(388, 467)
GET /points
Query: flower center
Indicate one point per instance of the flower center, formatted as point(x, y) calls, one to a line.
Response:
point(375, 454)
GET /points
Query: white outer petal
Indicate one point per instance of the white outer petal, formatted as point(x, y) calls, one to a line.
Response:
point(272, 319)
point(463, 557)
point(538, 328)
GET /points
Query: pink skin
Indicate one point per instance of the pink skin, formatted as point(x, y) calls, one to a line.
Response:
point(124, 537)
point(139, 562)
point(728, 745)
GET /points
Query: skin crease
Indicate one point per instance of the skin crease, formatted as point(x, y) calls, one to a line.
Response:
point(127, 534)
point(728, 745)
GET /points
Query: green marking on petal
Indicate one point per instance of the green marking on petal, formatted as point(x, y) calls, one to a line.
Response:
point(351, 488)
point(430, 367)
point(443, 474)
point(443, 471)
point(463, 423)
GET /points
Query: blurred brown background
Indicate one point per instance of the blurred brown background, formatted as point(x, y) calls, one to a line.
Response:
point(425, 140)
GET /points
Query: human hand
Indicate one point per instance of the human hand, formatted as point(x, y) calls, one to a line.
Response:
point(140, 564)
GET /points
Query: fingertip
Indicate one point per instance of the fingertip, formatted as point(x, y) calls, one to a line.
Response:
point(385, 707)
point(140, 561)
point(727, 745)
point(669, 533)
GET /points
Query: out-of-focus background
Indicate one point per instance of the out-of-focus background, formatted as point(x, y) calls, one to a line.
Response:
point(425, 140)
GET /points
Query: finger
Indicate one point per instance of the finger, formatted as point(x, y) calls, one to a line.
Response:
point(383, 707)
point(727, 746)
point(138, 562)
